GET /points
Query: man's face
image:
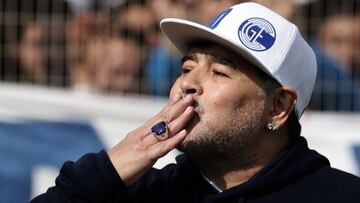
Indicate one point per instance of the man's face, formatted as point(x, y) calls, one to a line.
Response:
point(119, 74)
point(340, 45)
point(228, 99)
point(32, 50)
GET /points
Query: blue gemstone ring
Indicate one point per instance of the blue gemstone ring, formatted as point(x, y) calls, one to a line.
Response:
point(160, 130)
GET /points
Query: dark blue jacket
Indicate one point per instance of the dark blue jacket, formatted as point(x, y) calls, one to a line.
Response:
point(298, 175)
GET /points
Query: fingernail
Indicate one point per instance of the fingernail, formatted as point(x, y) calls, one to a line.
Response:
point(188, 109)
point(183, 132)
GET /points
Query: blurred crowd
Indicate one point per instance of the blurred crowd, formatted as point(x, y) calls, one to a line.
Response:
point(116, 46)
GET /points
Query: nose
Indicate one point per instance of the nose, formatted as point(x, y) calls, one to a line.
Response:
point(191, 84)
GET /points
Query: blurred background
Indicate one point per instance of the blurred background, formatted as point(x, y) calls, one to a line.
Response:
point(77, 75)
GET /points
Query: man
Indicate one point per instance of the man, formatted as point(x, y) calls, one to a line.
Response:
point(336, 88)
point(116, 74)
point(246, 80)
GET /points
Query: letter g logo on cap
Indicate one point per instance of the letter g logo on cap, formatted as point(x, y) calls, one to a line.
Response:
point(257, 34)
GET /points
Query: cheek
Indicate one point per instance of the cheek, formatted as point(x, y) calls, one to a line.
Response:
point(227, 95)
point(224, 99)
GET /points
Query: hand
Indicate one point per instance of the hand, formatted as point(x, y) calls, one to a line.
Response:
point(139, 150)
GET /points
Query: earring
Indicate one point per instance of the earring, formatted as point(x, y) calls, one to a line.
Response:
point(270, 127)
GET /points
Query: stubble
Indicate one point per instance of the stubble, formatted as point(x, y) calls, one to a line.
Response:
point(229, 141)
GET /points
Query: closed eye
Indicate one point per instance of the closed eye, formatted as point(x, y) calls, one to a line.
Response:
point(218, 73)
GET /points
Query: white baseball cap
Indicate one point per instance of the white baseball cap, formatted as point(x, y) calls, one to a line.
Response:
point(260, 35)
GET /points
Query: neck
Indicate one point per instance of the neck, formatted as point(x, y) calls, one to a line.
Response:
point(229, 173)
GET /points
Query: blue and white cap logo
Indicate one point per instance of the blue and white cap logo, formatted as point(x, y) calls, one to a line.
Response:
point(257, 34)
point(219, 18)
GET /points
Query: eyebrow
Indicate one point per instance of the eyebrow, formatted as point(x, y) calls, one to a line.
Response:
point(223, 61)
point(186, 58)
point(214, 59)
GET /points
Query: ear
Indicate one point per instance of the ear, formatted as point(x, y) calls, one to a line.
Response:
point(283, 103)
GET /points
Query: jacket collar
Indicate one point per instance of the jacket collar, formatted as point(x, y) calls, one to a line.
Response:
point(296, 161)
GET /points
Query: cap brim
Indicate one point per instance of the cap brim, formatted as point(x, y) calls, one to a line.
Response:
point(183, 33)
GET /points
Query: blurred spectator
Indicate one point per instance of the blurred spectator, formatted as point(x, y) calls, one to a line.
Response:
point(340, 45)
point(138, 20)
point(334, 46)
point(33, 42)
point(356, 56)
point(87, 32)
point(334, 89)
point(164, 67)
point(41, 53)
point(286, 8)
point(86, 63)
point(135, 20)
point(110, 65)
point(172, 8)
point(32, 53)
point(120, 66)
point(109, 54)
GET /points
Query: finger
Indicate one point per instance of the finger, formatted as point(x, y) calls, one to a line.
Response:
point(172, 101)
point(177, 109)
point(162, 148)
point(172, 128)
point(173, 112)
point(176, 98)
point(179, 123)
point(150, 139)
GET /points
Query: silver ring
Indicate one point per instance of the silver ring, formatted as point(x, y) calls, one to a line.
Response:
point(159, 130)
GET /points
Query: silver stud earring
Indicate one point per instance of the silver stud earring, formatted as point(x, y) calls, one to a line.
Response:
point(270, 127)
